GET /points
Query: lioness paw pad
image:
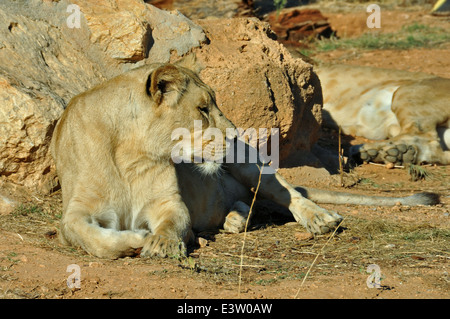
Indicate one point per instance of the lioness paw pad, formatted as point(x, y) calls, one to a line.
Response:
point(386, 153)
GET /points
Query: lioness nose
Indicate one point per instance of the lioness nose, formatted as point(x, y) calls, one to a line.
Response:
point(230, 129)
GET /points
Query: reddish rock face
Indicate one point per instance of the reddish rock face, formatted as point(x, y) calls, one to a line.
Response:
point(294, 25)
point(258, 84)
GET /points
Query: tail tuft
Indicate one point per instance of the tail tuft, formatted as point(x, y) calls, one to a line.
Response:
point(423, 199)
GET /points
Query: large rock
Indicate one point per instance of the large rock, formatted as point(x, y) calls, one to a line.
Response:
point(258, 84)
point(203, 9)
point(127, 30)
point(44, 63)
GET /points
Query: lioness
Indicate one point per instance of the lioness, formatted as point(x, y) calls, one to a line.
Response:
point(408, 112)
point(121, 189)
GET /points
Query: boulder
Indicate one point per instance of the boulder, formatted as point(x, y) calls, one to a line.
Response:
point(258, 84)
point(47, 57)
point(127, 30)
point(43, 64)
point(204, 9)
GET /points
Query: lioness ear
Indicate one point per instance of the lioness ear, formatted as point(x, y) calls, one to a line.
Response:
point(190, 62)
point(166, 84)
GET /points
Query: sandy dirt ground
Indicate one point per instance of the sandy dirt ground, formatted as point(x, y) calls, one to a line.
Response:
point(408, 245)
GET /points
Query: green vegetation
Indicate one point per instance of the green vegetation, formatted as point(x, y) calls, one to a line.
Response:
point(412, 36)
point(279, 4)
point(417, 172)
point(33, 211)
point(400, 3)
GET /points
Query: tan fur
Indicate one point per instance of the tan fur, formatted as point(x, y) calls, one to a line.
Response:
point(408, 112)
point(121, 191)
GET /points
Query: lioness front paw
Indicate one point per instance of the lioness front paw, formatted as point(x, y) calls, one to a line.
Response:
point(161, 246)
point(314, 218)
point(365, 153)
point(321, 222)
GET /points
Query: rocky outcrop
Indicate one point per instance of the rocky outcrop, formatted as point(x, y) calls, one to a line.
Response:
point(258, 84)
point(204, 9)
point(129, 29)
point(43, 64)
point(46, 58)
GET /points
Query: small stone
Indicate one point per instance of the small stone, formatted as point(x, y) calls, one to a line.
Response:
point(303, 236)
point(51, 234)
point(94, 264)
point(202, 242)
point(390, 165)
point(417, 257)
point(354, 239)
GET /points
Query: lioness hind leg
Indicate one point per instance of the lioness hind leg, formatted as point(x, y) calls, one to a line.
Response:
point(237, 218)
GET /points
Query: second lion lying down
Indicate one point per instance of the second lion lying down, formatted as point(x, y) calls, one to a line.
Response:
point(122, 191)
point(407, 113)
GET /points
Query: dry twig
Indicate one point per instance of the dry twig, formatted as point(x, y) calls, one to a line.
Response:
point(317, 256)
point(245, 231)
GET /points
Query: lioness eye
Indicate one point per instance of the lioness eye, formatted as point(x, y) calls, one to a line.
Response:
point(204, 110)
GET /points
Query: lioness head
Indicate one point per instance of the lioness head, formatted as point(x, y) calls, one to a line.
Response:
point(198, 128)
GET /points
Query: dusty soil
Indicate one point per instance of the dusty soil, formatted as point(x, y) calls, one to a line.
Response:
point(410, 245)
